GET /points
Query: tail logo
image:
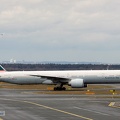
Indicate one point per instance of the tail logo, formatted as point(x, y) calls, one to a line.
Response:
point(2, 69)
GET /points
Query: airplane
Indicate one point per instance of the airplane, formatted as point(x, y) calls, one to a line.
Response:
point(73, 78)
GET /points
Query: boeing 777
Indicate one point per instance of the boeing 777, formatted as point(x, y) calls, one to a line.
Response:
point(74, 78)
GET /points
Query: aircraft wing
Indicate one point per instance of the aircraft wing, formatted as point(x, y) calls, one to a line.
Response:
point(53, 78)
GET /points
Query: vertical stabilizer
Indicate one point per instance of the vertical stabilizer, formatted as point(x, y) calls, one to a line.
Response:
point(2, 69)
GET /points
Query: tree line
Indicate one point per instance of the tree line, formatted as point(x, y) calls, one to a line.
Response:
point(44, 67)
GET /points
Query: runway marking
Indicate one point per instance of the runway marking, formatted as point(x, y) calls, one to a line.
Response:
point(79, 116)
point(112, 104)
point(50, 108)
point(92, 111)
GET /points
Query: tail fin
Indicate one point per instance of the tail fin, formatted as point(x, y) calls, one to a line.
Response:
point(2, 69)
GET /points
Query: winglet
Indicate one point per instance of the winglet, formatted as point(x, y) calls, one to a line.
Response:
point(2, 69)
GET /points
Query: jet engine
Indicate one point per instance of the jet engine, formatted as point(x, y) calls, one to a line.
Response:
point(77, 83)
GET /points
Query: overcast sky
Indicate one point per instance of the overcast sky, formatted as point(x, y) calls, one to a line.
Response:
point(60, 30)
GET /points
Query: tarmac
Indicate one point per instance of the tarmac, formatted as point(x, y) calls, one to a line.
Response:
point(26, 105)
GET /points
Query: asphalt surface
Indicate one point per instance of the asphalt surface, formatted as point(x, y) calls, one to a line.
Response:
point(25, 105)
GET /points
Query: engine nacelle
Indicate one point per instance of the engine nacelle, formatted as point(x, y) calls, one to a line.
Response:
point(77, 83)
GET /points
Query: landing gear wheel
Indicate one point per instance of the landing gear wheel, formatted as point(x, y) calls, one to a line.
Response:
point(59, 88)
point(63, 88)
point(55, 88)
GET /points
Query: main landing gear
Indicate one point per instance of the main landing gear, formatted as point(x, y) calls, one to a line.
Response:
point(59, 88)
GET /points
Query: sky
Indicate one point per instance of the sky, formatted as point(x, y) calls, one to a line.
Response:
point(60, 30)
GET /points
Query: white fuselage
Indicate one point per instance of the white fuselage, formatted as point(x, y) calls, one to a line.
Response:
point(88, 76)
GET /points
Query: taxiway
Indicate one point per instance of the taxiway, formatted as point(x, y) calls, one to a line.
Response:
point(25, 104)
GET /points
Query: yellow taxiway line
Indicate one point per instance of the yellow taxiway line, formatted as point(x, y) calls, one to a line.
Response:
point(1, 119)
point(50, 108)
point(72, 114)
